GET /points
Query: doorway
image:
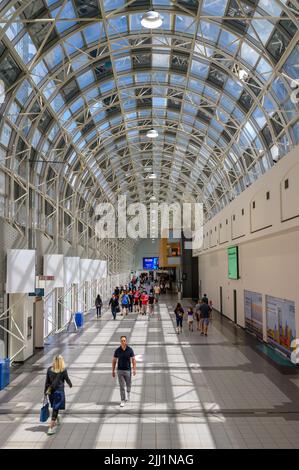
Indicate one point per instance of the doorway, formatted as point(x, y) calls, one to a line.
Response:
point(221, 301)
point(235, 307)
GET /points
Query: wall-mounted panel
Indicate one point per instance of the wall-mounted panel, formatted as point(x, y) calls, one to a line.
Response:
point(289, 190)
point(238, 223)
point(20, 271)
point(224, 231)
point(71, 270)
point(261, 210)
point(54, 266)
point(86, 269)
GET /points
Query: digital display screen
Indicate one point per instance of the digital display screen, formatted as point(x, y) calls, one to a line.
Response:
point(233, 262)
point(151, 263)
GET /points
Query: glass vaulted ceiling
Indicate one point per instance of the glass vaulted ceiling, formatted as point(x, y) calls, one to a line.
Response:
point(85, 82)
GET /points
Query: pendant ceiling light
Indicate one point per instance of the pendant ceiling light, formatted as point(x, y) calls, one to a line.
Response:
point(151, 20)
point(152, 134)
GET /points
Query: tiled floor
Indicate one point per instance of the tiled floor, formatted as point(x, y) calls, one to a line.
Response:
point(190, 391)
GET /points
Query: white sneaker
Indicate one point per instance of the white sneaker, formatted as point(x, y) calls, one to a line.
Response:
point(122, 404)
point(128, 397)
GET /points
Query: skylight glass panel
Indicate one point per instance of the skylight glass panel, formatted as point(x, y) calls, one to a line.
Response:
point(79, 103)
point(49, 89)
point(199, 69)
point(122, 64)
point(233, 88)
point(160, 60)
point(23, 92)
point(208, 30)
point(268, 104)
point(229, 41)
point(195, 85)
point(57, 103)
point(39, 72)
point(185, 24)
point(53, 132)
point(93, 33)
point(260, 117)
point(261, 29)
point(125, 81)
point(5, 135)
point(90, 94)
point(66, 12)
point(271, 7)
point(104, 87)
point(36, 138)
point(248, 54)
point(25, 48)
point(99, 117)
point(290, 107)
point(264, 69)
point(213, 7)
point(13, 112)
point(159, 102)
point(295, 130)
point(227, 103)
point(117, 25)
point(54, 57)
point(135, 22)
point(279, 89)
point(291, 66)
point(79, 61)
point(13, 29)
point(113, 4)
point(86, 79)
point(73, 43)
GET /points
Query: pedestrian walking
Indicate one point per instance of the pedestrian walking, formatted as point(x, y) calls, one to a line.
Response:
point(205, 299)
point(98, 305)
point(113, 302)
point(54, 388)
point(144, 302)
point(190, 318)
point(205, 310)
point(151, 301)
point(197, 314)
point(123, 357)
point(125, 301)
point(179, 313)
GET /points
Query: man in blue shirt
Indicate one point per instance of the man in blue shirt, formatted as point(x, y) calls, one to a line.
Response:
point(123, 356)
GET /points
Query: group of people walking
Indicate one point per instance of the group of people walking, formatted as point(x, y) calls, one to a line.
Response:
point(124, 299)
point(136, 300)
point(202, 315)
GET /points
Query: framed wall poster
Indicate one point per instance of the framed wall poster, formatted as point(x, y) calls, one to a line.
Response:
point(253, 305)
point(281, 326)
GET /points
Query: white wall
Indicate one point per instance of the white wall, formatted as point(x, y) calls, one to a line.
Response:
point(268, 240)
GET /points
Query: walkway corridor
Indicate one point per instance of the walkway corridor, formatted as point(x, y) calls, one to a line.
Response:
point(190, 391)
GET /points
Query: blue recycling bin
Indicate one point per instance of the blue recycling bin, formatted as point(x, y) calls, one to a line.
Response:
point(79, 319)
point(4, 372)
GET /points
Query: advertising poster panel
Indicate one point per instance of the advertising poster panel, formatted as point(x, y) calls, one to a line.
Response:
point(253, 304)
point(281, 329)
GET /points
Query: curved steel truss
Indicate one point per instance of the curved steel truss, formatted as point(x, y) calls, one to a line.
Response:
point(84, 82)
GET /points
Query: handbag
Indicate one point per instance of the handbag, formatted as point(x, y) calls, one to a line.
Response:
point(44, 411)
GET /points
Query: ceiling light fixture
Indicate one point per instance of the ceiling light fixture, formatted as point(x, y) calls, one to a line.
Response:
point(151, 20)
point(152, 176)
point(152, 134)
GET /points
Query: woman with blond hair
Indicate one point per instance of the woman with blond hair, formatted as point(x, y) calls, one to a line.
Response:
point(54, 388)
